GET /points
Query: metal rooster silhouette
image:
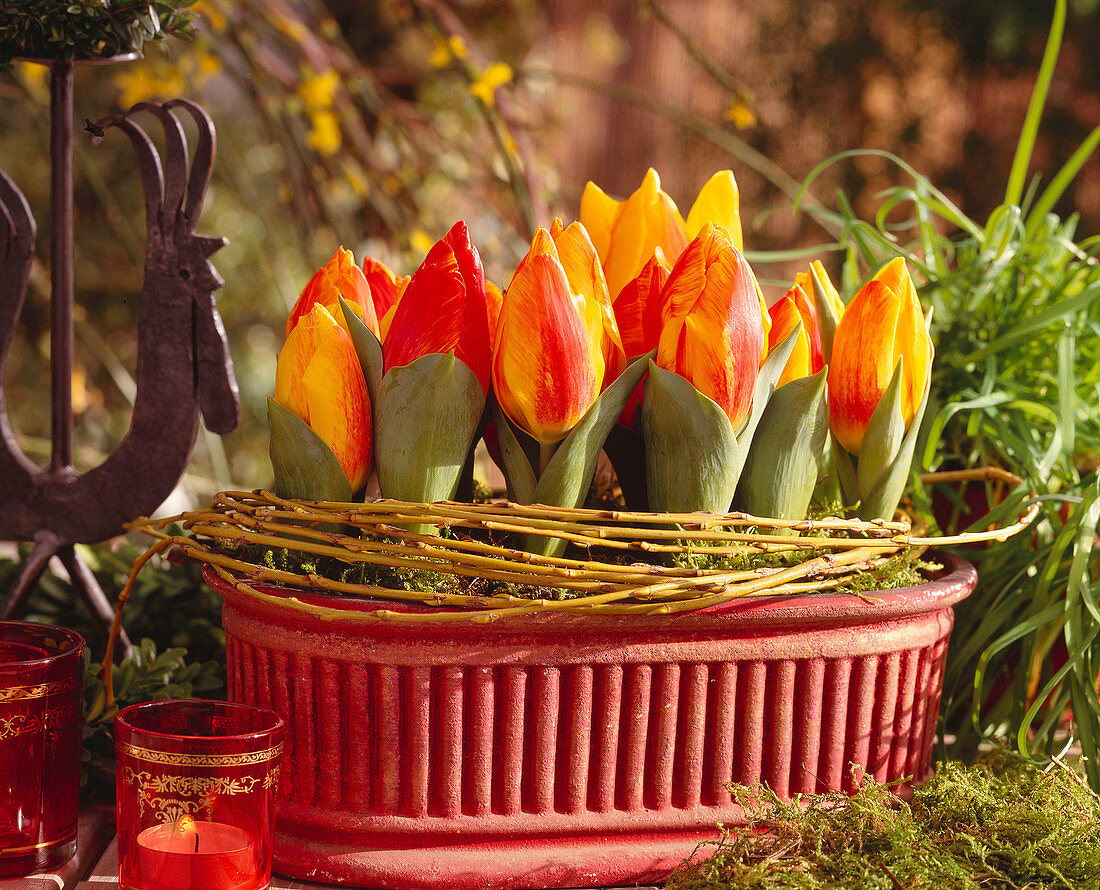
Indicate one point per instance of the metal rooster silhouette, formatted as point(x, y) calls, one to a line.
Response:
point(183, 364)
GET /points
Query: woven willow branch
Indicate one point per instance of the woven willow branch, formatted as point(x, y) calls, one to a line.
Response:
point(380, 534)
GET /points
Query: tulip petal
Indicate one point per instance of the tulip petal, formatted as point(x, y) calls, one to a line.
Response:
point(598, 214)
point(718, 202)
point(318, 378)
point(862, 362)
point(786, 318)
point(647, 220)
point(339, 408)
point(638, 308)
point(547, 371)
point(384, 285)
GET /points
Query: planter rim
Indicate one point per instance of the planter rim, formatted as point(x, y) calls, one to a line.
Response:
point(952, 584)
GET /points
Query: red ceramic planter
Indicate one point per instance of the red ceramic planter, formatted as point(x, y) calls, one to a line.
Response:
point(551, 750)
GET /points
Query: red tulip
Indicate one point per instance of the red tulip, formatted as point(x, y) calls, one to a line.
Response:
point(385, 287)
point(443, 309)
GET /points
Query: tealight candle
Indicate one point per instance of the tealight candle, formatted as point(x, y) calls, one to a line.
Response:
point(196, 785)
point(190, 855)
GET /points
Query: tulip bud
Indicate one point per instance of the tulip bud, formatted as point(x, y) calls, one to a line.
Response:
point(318, 378)
point(340, 277)
point(882, 326)
point(826, 303)
point(443, 309)
point(795, 310)
point(557, 345)
point(712, 330)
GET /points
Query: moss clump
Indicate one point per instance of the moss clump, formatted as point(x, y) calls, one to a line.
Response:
point(998, 823)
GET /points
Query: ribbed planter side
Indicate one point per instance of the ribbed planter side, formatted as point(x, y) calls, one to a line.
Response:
point(553, 751)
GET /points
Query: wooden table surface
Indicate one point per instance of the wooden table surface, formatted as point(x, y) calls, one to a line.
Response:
point(95, 866)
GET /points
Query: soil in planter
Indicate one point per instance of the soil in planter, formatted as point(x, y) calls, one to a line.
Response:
point(999, 823)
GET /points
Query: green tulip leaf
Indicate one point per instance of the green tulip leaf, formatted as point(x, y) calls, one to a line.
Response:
point(766, 379)
point(305, 466)
point(827, 319)
point(428, 414)
point(565, 481)
point(780, 474)
point(881, 500)
point(690, 447)
point(369, 351)
point(884, 434)
point(845, 474)
point(518, 475)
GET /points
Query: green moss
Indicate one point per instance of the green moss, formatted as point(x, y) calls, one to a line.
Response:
point(998, 823)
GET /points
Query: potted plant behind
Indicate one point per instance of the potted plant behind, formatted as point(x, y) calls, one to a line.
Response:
point(533, 693)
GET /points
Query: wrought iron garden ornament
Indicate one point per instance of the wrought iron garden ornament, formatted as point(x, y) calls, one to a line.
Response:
point(183, 365)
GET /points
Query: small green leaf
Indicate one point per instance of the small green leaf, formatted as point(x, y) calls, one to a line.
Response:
point(369, 351)
point(518, 475)
point(305, 467)
point(428, 413)
point(780, 473)
point(881, 500)
point(884, 433)
point(691, 450)
point(827, 319)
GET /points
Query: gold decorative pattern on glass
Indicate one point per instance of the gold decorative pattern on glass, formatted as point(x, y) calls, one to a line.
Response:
point(180, 758)
point(38, 690)
point(170, 798)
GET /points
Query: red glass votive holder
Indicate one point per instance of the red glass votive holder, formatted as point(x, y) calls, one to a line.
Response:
point(41, 716)
point(196, 783)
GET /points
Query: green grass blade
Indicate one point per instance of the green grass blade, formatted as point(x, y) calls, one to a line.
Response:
point(1062, 181)
point(1016, 178)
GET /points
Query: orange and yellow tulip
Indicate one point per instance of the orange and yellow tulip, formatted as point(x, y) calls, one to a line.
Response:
point(796, 309)
point(443, 309)
point(319, 379)
point(627, 233)
point(557, 345)
point(712, 330)
point(882, 325)
point(339, 277)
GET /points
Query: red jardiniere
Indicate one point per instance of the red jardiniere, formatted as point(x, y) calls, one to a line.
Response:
point(552, 750)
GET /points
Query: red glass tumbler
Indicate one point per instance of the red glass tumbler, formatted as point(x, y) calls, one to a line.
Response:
point(196, 787)
point(41, 715)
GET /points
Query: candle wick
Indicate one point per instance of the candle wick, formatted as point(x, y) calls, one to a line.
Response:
point(196, 843)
